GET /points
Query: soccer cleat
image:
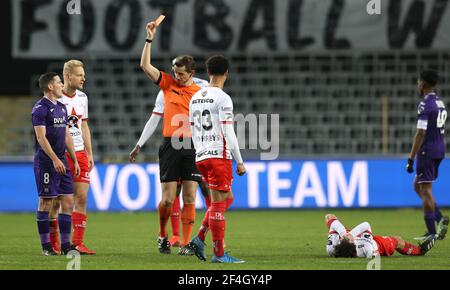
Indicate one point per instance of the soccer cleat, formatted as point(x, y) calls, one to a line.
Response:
point(83, 249)
point(186, 251)
point(198, 247)
point(421, 239)
point(49, 252)
point(442, 227)
point(65, 249)
point(175, 242)
point(163, 245)
point(427, 244)
point(226, 258)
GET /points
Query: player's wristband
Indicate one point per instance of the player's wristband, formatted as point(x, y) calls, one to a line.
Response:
point(148, 40)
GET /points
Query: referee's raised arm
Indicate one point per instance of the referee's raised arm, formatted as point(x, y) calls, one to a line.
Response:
point(152, 72)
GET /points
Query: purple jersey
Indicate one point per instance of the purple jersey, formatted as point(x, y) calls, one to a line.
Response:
point(431, 117)
point(54, 118)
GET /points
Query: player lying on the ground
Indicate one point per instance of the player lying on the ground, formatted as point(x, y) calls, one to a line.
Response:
point(359, 242)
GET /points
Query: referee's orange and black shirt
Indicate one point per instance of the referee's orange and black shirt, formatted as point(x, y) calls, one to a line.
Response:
point(176, 102)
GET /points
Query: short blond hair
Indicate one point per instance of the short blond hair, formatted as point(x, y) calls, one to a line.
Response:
point(70, 65)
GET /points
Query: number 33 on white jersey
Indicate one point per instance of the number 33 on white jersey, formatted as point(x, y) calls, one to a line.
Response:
point(209, 109)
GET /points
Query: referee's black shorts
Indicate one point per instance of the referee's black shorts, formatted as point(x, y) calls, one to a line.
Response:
point(176, 164)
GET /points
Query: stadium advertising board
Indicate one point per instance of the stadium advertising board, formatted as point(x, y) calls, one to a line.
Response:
point(271, 184)
point(52, 29)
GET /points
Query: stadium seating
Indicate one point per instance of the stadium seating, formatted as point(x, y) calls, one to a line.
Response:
point(329, 103)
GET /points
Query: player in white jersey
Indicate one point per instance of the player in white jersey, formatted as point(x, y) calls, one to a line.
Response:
point(361, 243)
point(211, 117)
point(149, 129)
point(76, 103)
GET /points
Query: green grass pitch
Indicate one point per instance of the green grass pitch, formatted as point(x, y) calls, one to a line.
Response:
point(267, 240)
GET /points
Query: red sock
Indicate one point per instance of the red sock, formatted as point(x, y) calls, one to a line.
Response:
point(204, 227)
point(175, 216)
point(164, 214)
point(410, 250)
point(188, 220)
point(79, 226)
point(217, 225)
point(205, 223)
point(54, 237)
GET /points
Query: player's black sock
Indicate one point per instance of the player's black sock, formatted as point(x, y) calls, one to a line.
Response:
point(65, 224)
point(43, 225)
point(66, 247)
point(437, 213)
point(430, 222)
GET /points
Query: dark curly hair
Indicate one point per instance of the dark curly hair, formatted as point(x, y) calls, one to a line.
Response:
point(345, 250)
point(430, 77)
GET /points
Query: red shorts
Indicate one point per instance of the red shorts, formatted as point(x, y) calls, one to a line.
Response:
point(84, 166)
point(386, 245)
point(217, 173)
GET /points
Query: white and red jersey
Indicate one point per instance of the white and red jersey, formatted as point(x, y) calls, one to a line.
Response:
point(366, 246)
point(77, 111)
point(209, 109)
point(159, 103)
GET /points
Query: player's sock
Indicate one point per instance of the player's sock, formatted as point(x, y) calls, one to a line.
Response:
point(79, 227)
point(54, 237)
point(175, 216)
point(229, 202)
point(43, 225)
point(65, 226)
point(188, 220)
point(204, 227)
point(217, 225)
point(437, 213)
point(430, 222)
point(205, 223)
point(410, 250)
point(164, 214)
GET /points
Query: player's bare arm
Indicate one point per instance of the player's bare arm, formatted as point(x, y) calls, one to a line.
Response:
point(241, 169)
point(135, 153)
point(45, 145)
point(71, 150)
point(152, 72)
point(329, 217)
point(417, 142)
point(87, 143)
point(148, 131)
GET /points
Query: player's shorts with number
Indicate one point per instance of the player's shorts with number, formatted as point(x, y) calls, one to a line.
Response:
point(51, 184)
point(176, 164)
point(84, 167)
point(217, 172)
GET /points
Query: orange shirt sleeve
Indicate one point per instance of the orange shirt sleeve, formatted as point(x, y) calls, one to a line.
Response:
point(166, 81)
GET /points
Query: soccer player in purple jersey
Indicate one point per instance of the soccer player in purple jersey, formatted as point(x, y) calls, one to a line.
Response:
point(53, 179)
point(429, 150)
